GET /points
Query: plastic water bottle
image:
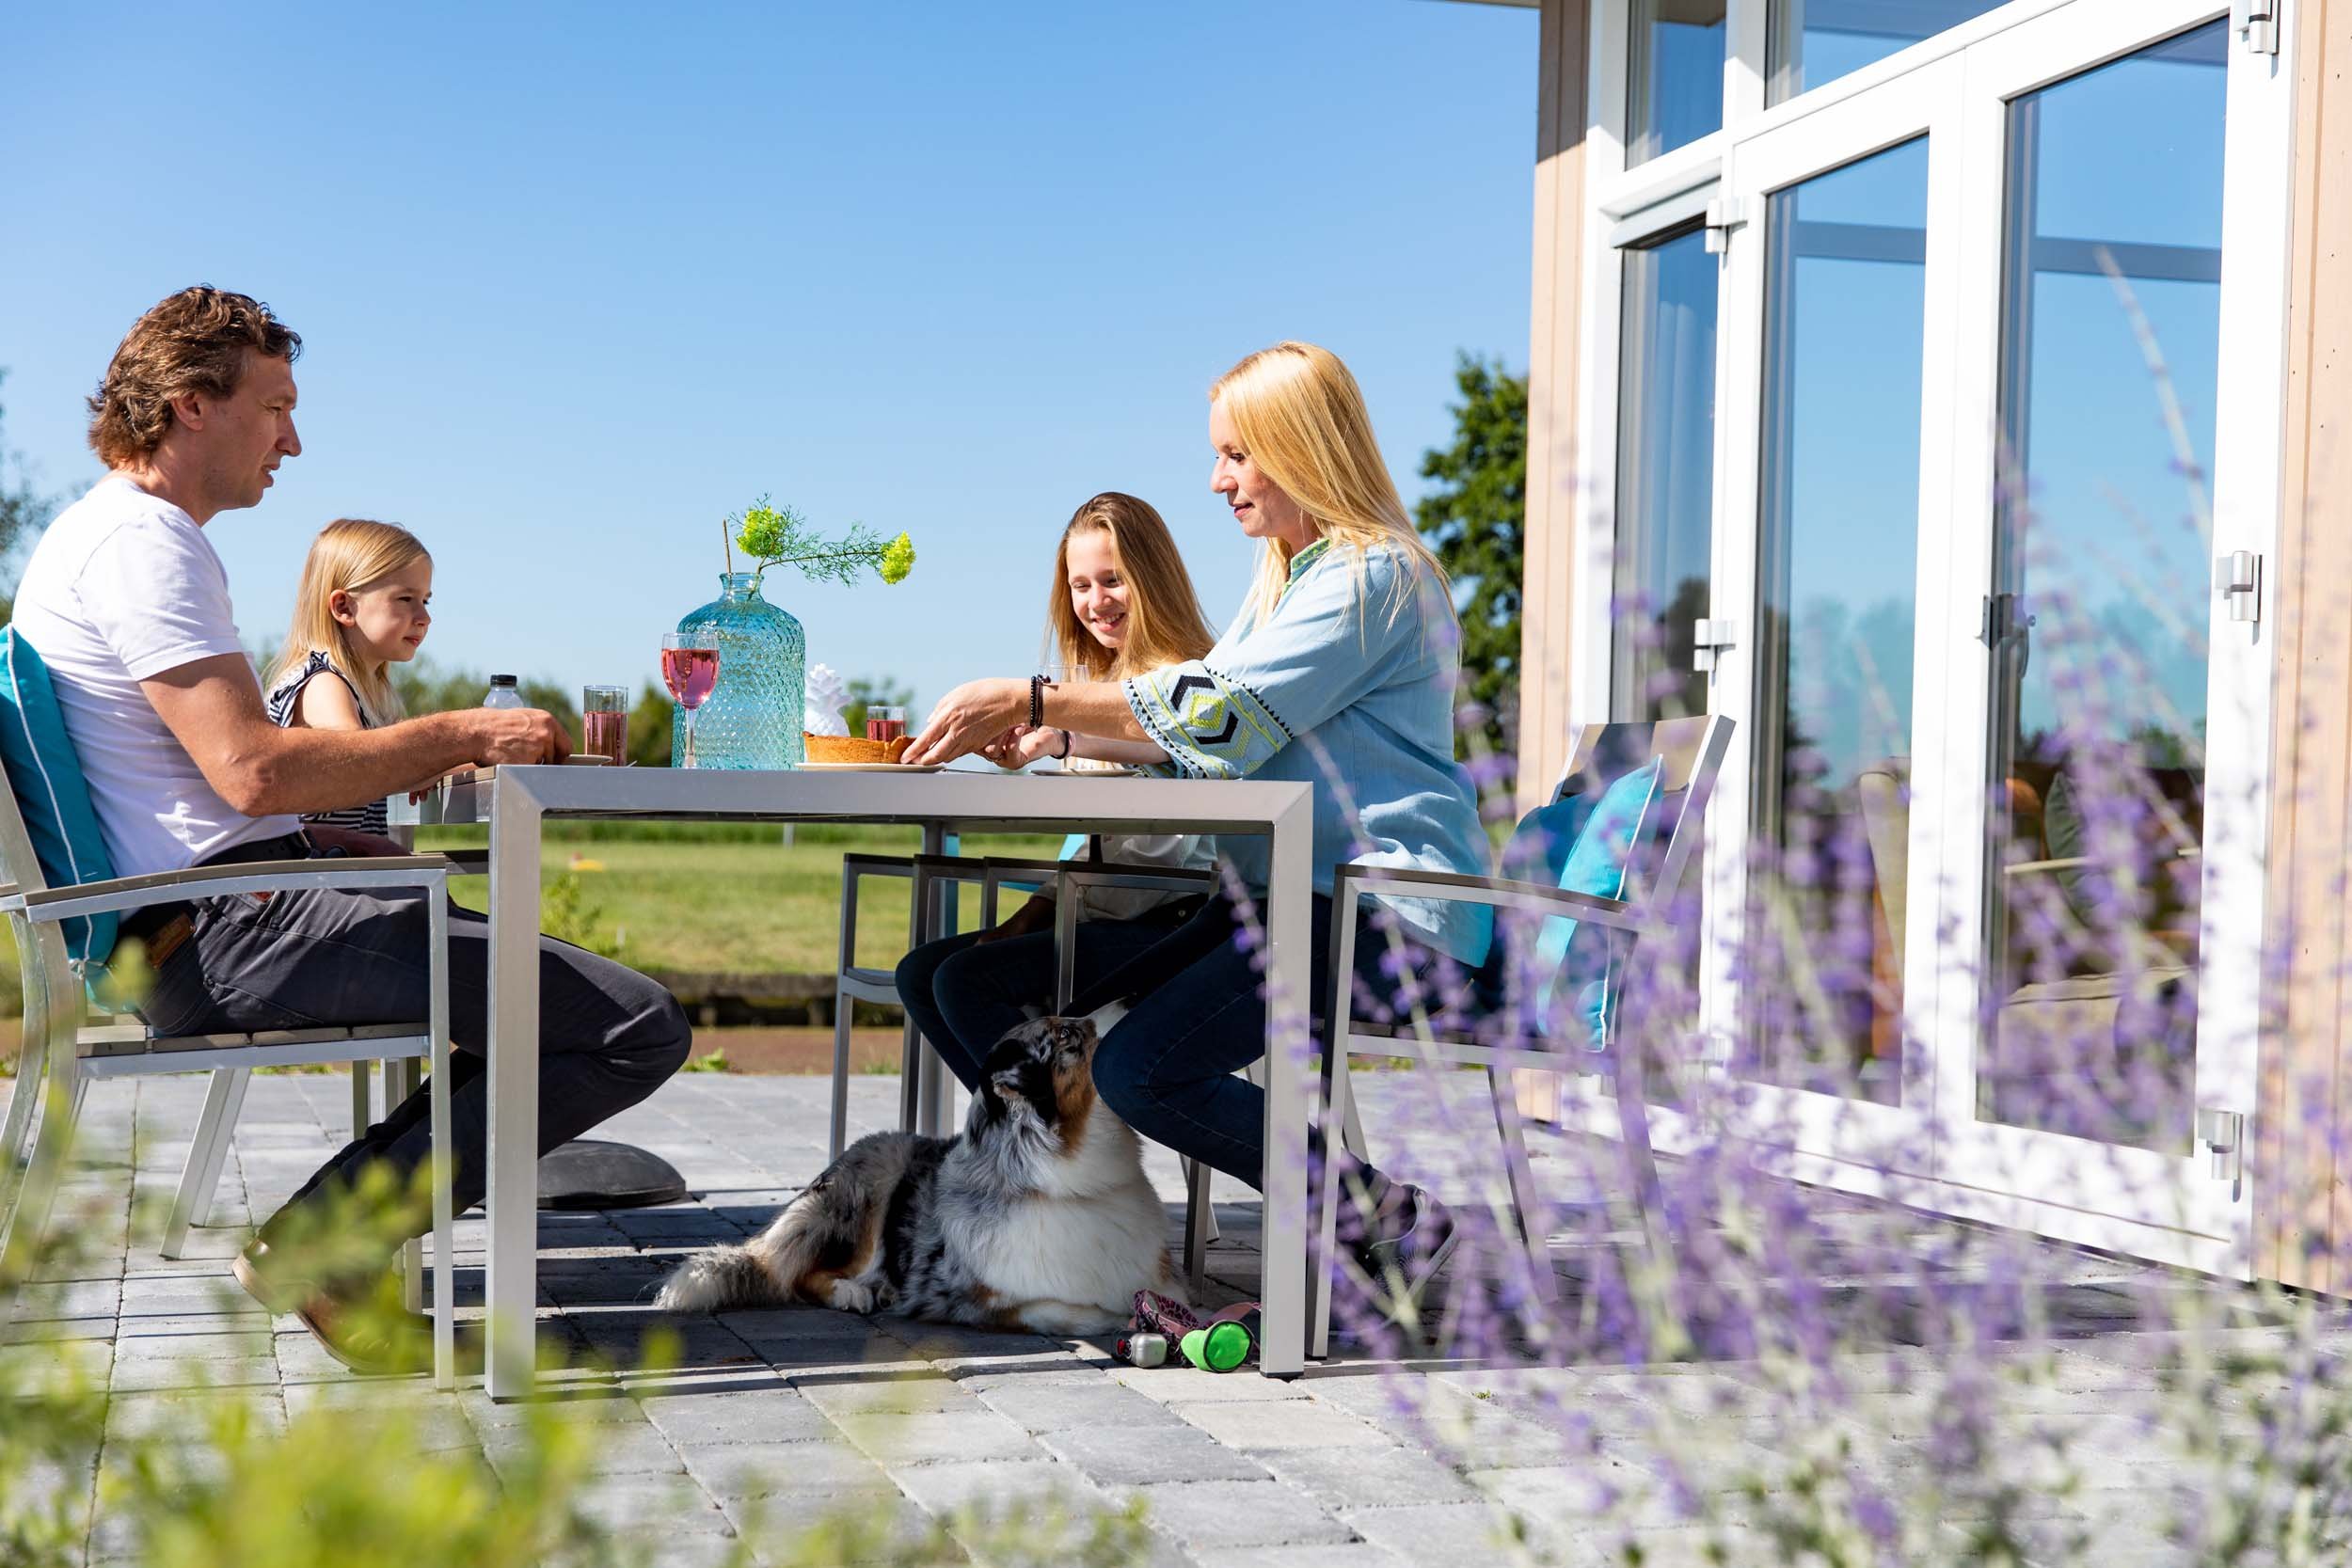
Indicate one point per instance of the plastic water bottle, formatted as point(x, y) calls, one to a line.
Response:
point(502, 693)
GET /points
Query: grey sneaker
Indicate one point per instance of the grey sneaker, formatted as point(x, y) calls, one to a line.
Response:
point(1394, 1270)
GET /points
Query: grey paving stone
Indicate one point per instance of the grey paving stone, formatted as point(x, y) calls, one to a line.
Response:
point(1094, 1402)
point(1352, 1554)
point(897, 1396)
point(1367, 1478)
point(1255, 1424)
point(932, 1435)
point(634, 1448)
point(1435, 1535)
point(994, 1485)
point(1150, 1454)
point(821, 1468)
point(770, 1413)
point(660, 1506)
point(1213, 1513)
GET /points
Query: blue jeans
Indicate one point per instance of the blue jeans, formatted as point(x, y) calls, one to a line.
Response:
point(964, 994)
point(1168, 1068)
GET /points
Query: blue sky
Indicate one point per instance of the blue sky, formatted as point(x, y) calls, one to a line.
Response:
point(576, 282)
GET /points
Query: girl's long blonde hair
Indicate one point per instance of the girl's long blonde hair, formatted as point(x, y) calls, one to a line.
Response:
point(1164, 621)
point(350, 554)
point(1301, 417)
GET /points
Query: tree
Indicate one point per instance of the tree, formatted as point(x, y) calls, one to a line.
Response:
point(874, 691)
point(24, 511)
point(1475, 520)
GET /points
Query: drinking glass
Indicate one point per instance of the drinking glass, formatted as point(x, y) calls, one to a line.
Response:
point(885, 723)
point(690, 668)
point(604, 721)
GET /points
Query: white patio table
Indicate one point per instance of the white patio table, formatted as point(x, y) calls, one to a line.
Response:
point(516, 802)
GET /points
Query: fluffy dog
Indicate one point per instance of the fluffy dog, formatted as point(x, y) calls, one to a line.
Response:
point(1037, 1217)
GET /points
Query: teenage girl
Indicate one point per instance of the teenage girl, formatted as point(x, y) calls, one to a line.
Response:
point(364, 605)
point(1121, 604)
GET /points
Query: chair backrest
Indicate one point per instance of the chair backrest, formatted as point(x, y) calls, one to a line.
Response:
point(1689, 754)
point(51, 836)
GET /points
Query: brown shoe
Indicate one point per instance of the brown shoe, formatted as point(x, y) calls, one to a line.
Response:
point(360, 1323)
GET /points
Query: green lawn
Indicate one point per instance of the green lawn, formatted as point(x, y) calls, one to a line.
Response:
point(751, 905)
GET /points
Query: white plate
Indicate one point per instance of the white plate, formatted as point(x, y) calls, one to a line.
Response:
point(873, 766)
point(1087, 773)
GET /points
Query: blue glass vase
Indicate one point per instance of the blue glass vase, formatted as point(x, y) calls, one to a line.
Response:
point(751, 718)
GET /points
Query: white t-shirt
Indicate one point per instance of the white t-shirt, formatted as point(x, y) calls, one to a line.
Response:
point(121, 588)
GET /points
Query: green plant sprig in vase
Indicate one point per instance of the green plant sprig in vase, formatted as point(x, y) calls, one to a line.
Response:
point(779, 536)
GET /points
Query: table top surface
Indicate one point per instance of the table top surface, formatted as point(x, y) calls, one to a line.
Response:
point(969, 797)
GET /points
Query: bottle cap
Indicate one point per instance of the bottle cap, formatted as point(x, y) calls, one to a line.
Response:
point(501, 680)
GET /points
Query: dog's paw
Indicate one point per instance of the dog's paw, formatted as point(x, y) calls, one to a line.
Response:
point(850, 1296)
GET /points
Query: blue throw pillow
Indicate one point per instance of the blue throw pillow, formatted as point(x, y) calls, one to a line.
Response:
point(45, 775)
point(1595, 866)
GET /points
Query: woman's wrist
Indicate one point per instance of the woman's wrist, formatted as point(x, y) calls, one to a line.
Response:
point(1064, 754)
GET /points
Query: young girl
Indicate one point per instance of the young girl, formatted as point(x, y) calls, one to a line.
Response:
point(362, 605)
point(1121, 603)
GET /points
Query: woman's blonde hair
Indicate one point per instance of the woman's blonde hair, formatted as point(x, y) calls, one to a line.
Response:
point(1165, 625)
point(1301, 417)
point(349, 555)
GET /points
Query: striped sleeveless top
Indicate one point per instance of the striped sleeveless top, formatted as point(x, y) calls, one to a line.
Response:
point(368, 818)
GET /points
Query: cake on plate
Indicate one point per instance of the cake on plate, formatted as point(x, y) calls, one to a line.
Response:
point(855, 748)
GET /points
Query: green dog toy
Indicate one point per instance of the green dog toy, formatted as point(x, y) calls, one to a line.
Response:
point(1220, 1347)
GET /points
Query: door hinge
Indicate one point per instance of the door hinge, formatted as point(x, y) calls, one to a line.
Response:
point(2238, 578)
point(2224, 1133)
point(1723, 216)
point(1709, 638)
point(2260, 29)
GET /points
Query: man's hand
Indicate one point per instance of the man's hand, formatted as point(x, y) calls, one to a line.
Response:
point(969, 718)
point(1034, 915)
point(517, 735)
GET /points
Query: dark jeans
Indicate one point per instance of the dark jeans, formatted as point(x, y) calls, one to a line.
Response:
point(1198, 1017)
point(607, 1035)
point(964, 994)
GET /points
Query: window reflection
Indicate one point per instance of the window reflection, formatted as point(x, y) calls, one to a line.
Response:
point(1665, 477)
point(1815, 41)
point(1836, 557)
point(1675, 85)
point(2110, 346)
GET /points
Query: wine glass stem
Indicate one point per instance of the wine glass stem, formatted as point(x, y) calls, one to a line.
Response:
point(689, 738)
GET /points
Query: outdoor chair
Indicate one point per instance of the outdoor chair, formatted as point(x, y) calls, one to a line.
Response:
point(63, 905)
point(1625, 823)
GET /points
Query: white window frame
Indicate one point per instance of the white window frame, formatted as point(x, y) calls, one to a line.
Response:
point(1625, 205)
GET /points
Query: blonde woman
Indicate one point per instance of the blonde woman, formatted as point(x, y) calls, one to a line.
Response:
point(1120, 605)
point(364, 605)
point(1341, 671)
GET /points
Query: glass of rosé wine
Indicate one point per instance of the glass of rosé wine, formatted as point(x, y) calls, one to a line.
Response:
point(690, 668)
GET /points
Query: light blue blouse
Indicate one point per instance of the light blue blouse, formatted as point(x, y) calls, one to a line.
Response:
point(1336, 690)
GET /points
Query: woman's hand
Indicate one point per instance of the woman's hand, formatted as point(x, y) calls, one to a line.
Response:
point(1004, 750)
point(1033, 744)
point(974, 715)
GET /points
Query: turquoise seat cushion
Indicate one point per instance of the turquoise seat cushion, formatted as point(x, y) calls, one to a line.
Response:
point(45, 775)
point(1581, 844)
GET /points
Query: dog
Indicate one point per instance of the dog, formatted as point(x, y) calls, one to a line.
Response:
point(1037, 1217)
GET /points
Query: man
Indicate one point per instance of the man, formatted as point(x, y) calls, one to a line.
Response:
point(127, 603)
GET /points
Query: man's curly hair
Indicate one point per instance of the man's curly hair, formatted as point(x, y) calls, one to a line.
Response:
point(191, 343)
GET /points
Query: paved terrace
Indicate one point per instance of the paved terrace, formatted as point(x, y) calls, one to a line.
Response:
point(801, 1410)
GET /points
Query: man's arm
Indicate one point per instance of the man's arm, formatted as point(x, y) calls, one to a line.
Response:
point(214, 705)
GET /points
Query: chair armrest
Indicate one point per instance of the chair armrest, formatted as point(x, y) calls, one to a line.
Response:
point(212, 881)
point(1501, 893)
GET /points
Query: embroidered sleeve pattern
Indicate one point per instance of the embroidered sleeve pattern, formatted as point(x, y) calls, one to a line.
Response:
point(1209, 726)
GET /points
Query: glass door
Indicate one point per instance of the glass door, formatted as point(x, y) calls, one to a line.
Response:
point(2101, 821)
point(1836, 502)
